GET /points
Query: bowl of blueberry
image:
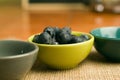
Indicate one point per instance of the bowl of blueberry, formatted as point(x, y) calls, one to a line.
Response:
point(62, 48)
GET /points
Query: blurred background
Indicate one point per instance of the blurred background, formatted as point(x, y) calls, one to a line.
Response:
point(95, 5)
point(21, 18)
point(10, 2)
point(18, 2)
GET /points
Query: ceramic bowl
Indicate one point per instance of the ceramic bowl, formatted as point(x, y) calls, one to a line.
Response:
point(16, 58)
point(64, 56)
point(107, 42)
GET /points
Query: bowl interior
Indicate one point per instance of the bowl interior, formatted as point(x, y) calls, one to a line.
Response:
point(107, 32)
point(12, 48)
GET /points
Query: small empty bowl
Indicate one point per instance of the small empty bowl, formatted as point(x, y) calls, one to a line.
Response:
point(107, 42)
point(16, 58)
point(64, 56)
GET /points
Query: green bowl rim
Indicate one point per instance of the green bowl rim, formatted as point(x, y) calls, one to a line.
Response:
point(106, 38)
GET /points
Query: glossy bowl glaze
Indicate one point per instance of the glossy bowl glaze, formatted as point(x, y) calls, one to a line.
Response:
point(107, 42)
point(64, 56)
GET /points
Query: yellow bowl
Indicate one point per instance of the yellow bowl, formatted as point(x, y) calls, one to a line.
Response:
point(64, 56)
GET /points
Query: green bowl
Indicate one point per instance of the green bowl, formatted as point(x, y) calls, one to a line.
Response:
point(107, 42)
point(64, 56)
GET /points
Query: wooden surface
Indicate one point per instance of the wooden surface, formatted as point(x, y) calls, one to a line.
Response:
point(94, 67)
point(18, 24)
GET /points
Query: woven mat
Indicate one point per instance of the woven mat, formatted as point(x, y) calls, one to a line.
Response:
point(94, 67)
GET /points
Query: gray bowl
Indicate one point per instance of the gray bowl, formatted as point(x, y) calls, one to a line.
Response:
point(16, 58)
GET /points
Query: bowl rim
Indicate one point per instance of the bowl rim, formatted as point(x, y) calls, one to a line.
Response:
point(20, 55)
point(61, 45)
point(100, 37)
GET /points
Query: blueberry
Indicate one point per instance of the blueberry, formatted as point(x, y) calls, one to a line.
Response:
point(54, 43)
point(67, 30)
point(76, 39)
point(56, 29)
point(45, 38)
point(63, 37)
point(36, 39)
point(85, 37)
point(50, 30)
point(55, 36)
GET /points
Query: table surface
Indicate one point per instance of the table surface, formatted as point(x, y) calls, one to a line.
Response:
point(16, 23)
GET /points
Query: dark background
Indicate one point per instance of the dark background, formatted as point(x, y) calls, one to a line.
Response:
point(60, 1)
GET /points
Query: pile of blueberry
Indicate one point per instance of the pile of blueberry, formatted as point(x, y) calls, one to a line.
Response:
point(55, 35)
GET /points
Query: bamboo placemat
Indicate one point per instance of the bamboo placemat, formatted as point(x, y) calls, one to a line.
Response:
point(94, 67)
